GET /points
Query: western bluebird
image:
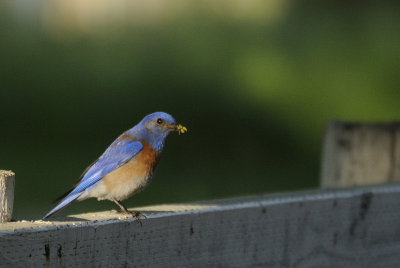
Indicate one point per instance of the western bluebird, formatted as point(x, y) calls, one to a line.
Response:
point(127, 166)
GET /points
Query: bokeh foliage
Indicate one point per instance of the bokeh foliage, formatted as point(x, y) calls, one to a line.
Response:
point(255, 83)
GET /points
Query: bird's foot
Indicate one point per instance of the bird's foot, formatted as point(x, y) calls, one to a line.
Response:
point(136, 214)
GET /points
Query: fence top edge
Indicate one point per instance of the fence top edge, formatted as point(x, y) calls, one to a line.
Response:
point(94, 219)
point(390, 123)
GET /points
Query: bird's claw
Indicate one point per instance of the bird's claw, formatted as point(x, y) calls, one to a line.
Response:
point(136, 214)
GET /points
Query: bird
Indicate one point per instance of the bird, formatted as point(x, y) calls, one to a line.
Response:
point(126, 167)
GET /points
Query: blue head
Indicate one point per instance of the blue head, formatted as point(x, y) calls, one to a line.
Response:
point(155, 128)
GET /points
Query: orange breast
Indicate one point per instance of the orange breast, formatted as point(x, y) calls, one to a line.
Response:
point(133, 175)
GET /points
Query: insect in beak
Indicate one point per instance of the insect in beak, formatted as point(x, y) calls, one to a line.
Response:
point(181, 129)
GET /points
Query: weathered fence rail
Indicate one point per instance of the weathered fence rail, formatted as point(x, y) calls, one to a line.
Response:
point(347, 227)
point(357, 227)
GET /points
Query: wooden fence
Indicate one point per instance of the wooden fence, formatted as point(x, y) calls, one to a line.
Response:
point(343, 227)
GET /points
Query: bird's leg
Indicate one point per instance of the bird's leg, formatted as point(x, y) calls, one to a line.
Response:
point(123, 208)
point(135, 214)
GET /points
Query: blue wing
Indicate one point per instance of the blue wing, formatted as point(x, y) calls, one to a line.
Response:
point(115, 156)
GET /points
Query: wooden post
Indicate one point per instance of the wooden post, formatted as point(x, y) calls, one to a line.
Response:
point(7, 183)
point(360, 153)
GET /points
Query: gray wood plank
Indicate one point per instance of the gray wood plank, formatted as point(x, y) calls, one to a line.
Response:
point(358, 227)
point(360, 153)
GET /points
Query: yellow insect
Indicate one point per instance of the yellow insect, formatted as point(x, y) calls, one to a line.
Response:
point(181, 129)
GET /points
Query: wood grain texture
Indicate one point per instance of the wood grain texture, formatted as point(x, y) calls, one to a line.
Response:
point(356, 227)
point(7, 183)
point(360, 153)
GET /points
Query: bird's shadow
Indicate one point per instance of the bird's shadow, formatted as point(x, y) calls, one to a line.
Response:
point(65, 219)
point(114, 215)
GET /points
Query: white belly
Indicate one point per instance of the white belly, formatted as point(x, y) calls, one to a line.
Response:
point(118, 192)
point(120, 183)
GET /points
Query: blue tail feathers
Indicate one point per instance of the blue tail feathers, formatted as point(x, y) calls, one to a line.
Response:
point(66, 201)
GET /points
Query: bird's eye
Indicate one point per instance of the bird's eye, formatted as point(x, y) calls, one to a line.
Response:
point(160, 121)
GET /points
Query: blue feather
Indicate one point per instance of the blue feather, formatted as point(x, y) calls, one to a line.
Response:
point(119, 152)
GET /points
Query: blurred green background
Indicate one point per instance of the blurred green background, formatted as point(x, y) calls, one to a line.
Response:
point(254, 81)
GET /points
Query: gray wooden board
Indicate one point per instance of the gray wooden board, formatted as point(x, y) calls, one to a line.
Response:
point(357, 227)
point(7, 184)
point(360, 153)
